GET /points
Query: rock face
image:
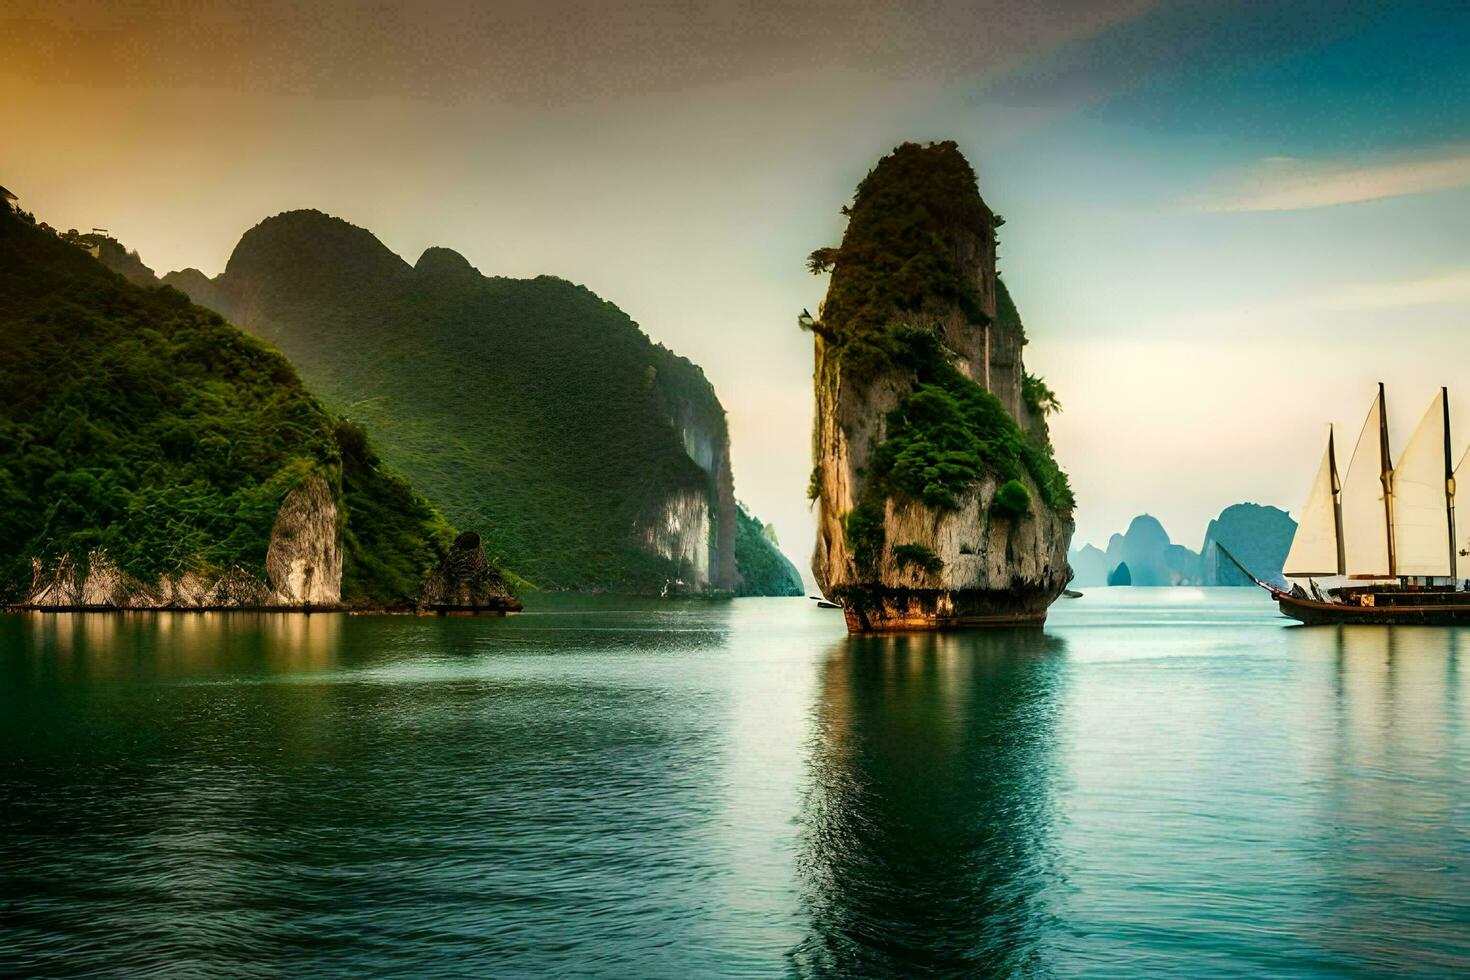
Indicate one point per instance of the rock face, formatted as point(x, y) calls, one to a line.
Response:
point(466, 581)
point(97, 583)
point(679, 531)
point(939, 502)
point(304, 561)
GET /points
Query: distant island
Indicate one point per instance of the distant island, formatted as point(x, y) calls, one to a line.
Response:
point(1258, 535)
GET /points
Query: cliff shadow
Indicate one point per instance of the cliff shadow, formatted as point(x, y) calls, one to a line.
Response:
point(927, 844)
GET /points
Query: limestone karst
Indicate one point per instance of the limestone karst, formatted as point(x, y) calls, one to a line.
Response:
point(939, 501)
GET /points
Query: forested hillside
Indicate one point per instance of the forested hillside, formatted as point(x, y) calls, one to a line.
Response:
point(764, 570)
point(587, 456)
point(137, 426)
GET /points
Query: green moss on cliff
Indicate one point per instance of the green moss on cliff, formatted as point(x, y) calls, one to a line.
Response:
point(949, 432)
point(863, 528)
point(136, 422)
point(917, 555)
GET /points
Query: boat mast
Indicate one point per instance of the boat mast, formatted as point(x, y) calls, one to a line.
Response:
point(1449, 482)
point(1385, 476)
point(1337, 504)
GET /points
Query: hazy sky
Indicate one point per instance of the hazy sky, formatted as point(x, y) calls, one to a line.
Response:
point(1225, 220)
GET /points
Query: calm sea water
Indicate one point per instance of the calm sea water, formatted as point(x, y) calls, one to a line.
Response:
point(1162, 782)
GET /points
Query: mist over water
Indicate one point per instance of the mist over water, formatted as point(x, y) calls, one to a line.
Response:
point(1162, 781)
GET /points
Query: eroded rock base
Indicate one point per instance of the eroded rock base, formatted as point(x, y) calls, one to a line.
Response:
point(883, 610)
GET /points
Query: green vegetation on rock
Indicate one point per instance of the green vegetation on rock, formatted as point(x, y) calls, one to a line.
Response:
point(135, 422)
point(895, 257)
point(1038, 396)
point(1012, 499)
point(948, 433)
point(918, 555)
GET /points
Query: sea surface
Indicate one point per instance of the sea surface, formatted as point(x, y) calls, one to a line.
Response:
point(1161, 782)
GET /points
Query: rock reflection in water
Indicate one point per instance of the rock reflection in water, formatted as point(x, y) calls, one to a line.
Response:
point(927, 831)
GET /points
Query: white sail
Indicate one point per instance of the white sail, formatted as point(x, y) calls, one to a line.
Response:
point(1314, 546)
point(1421, 517)
point(1364, 517)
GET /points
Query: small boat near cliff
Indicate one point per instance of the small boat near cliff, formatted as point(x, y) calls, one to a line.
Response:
point(1380, 544)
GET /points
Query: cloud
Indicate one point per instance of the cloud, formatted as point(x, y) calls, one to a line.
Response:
point(1292, 183)
point(1450, 288)
point(1348, 309)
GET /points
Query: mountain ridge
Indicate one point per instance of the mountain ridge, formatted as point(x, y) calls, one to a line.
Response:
point(602, 457)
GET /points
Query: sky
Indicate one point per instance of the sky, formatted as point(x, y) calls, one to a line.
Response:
point(1225, 221)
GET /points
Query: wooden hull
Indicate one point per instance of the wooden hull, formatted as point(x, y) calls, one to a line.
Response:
point(1315, 613)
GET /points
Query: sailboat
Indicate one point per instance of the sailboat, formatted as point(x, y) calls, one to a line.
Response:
point(1382, 538)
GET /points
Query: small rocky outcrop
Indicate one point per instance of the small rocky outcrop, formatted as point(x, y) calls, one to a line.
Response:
point(97, 583)
point(466, 581)
point(92, 582)
point(939, 502)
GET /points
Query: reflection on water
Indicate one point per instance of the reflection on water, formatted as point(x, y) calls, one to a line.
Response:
point(93, 647)
point(1160, 783)
point(1394, 767)
point(929, 820)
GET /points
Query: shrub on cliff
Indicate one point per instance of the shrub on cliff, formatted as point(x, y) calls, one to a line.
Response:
point(917, 555)
point(1012, 499)
point(1038, 396)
